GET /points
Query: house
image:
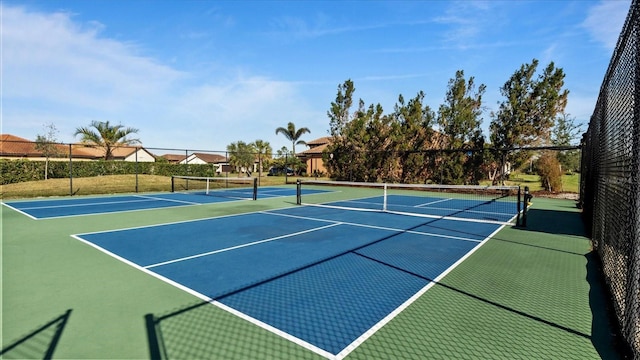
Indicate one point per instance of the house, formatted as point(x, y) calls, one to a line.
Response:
point(203, 158)
point(220, 162)
point(120, 153)
point(14, 147)
point(313, 156)
point(173, 158)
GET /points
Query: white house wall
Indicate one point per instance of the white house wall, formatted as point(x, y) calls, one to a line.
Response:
point(143, 156)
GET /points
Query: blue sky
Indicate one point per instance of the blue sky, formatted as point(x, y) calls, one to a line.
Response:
point(202, 74)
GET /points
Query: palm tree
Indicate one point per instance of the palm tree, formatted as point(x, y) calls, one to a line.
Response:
point(106, 136)
point(241, 156)
point(263, 148)
point(293, 135)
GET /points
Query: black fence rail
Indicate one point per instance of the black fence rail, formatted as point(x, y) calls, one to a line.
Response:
point(610, 182)
point(144, 168)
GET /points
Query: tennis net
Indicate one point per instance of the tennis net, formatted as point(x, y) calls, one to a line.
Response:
point(494, 204)
point(235, 188)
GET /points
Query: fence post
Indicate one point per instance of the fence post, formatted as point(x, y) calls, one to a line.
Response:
point(527, 199)
point(70, 170)
point(137, 168)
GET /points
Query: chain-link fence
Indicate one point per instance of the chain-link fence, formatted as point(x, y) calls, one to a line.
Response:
point(541, 167)
point(610, 186)
point(81, 169)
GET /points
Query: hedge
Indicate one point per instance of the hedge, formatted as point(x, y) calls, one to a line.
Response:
point(15, 171)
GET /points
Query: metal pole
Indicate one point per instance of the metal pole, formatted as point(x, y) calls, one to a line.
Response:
point(527, 199)
point(286, 168)
point(70, 172)
point(137, 169)
point(518, 219)
point(255, 189)
point(260, 167)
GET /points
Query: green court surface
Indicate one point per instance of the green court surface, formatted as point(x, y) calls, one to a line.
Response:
point(533, 293)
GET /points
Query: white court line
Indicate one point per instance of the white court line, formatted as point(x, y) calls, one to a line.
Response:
point(467, 210)
point(348, 349)
point(143, 199)
point(432, 202)
point(273, 190)
point(176, 222)
point(114, 212)
point(362, 338)
point(86, 204)
point(198, 295)
point(375, 227)
point(20, 211)
point(169, 200)
point(239, 246)
point(454, 218)
point(421, 206)
point(267, 195)
point(276, 331)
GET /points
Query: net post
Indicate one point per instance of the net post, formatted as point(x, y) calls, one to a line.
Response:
point(207, 191)
point(384, 198)
point(527, 197)
point(298, 192)
point(519, 208)
point(70, 170)
point(173, 186)
point(255, 188)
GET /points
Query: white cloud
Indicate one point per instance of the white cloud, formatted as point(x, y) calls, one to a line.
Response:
point(605, 20)
point(50, 58)
point(466, 21)
point(57, 71)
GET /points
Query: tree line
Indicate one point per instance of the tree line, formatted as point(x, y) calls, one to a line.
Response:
point(417, 144)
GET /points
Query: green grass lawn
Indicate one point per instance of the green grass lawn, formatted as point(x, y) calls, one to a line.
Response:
point(108, 184)
point(112, 184)
point(570, 183)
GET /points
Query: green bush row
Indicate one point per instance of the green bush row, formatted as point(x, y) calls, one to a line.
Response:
point(15, 171)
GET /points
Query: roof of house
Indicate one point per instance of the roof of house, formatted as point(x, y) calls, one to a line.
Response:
point(314, 150)
point(320, 141)
point(11, 145)
point(210, 158)
point(94, 151)
point(317, 146)
point(173, 157)
point(14, 145)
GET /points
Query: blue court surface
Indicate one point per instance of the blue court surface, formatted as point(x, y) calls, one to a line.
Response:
point(470, 209)
point(321, 277)
point(75, 206)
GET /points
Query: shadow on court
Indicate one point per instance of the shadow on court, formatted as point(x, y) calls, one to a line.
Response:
point(201, 329)
point(40, 343)
point(605, 336)
point(555, 222)
point(204, 331)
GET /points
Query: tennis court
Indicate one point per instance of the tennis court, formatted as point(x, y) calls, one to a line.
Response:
point(46, 209)
point(350, 273)
point(310, 247)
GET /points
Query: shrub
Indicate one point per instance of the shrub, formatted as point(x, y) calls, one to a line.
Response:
point(15, 171)
point(550, 171)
